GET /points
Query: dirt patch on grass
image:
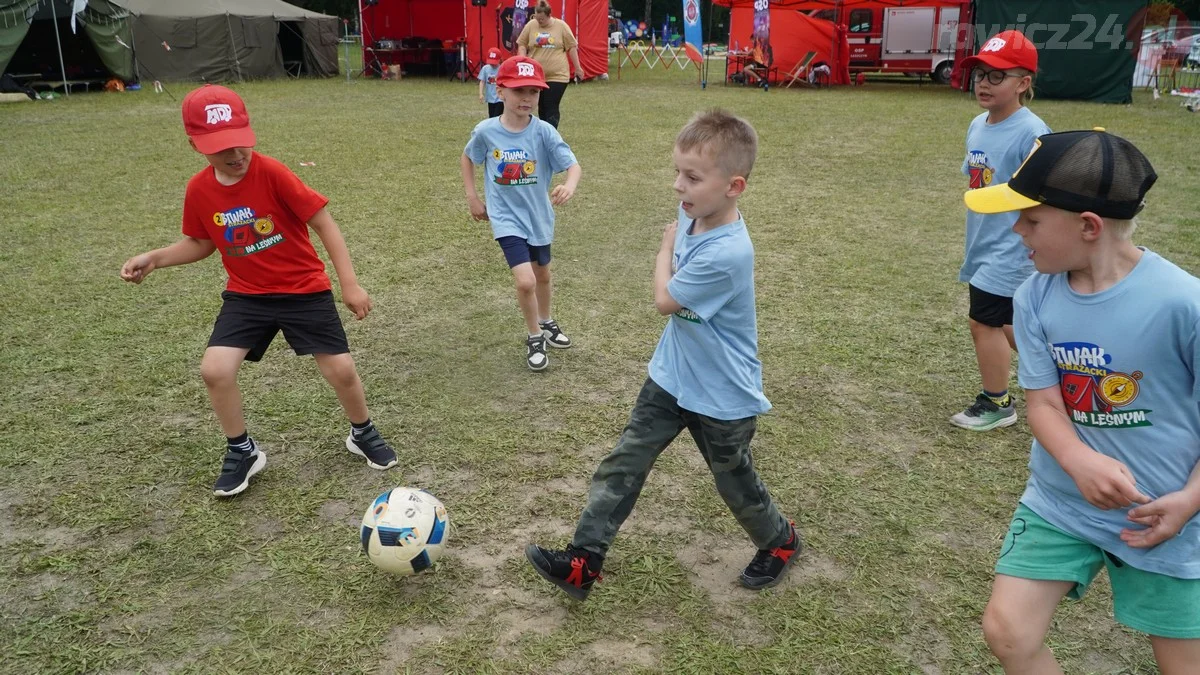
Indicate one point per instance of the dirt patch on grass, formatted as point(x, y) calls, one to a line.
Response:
point(339, 511)
point(404, 640)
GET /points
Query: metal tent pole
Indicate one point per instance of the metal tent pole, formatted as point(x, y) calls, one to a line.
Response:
point(58, 42)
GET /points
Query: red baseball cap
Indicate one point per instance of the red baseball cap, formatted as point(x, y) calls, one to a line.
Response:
point(1008, 49)
point(493, 57)
point(215, 118)
point(521, 71)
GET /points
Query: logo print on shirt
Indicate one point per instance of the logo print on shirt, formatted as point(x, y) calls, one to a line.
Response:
point(245, 232)
point(514, 167)
point(683, 313)
point(545, 41)
point(979, 170)
point(1093, 392)
point(218, 113)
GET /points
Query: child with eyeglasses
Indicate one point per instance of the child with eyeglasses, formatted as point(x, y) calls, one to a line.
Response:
point(995, 264)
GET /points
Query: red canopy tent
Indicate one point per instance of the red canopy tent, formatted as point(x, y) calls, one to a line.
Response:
point(434, 32)
point(794, 33)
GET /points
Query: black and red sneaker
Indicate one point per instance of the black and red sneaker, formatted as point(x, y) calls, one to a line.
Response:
point(768, 565)
point(573, 570)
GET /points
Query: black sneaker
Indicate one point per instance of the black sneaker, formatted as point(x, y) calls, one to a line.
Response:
point(768, 566)
point(573, 570)
point(237, 470)
point(536, 357)
point(554, 336)
point(371, 445)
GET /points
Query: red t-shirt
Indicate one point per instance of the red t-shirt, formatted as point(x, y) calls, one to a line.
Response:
point(259, 225)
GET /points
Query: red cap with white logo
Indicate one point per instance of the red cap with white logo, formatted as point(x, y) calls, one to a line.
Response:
point(521, 71)
point(493, 57)
point(215, 118)
point(1005, 50)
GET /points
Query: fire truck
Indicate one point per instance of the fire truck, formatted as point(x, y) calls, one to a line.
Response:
point(915, 38)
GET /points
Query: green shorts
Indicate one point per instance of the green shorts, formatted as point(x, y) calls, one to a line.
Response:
point(1155, 604)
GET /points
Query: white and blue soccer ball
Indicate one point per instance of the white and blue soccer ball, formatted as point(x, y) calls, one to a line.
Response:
point(405, 531)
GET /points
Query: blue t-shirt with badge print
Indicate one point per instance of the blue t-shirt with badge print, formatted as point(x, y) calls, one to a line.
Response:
point(517, 170)
point(1126, 361)
point(707, 357)
point(487, 75)
point(994, 260)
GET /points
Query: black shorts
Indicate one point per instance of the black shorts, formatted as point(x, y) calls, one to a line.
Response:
point(990, 310)
point(495, 109)
point(309, 322)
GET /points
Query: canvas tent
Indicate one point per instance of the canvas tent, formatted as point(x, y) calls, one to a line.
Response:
point(424, 31)
point(90, 46)
point(1093, 60)
point(230, 40)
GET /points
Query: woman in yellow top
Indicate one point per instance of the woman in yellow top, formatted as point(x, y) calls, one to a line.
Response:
point(549, 41)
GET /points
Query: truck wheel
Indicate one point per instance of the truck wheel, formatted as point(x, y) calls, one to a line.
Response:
point(941, 74)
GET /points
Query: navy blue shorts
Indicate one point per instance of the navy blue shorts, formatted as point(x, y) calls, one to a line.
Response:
point(517, 251)
point(309, 322)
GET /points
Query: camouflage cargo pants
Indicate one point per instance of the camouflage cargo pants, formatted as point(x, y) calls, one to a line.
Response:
point(725, 444)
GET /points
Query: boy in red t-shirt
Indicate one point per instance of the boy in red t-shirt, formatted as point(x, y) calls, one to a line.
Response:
point(257, 212)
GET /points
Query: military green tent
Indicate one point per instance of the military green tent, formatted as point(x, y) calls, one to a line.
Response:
point(230, 40)
point(208, 40)
point(1086, 49)
point(65, 39)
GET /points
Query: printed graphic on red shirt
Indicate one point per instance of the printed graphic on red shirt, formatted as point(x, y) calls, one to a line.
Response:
point(979, 169)
point(245, 233)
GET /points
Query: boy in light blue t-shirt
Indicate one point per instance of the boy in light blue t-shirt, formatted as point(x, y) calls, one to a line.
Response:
point(487, 84)
point(994, 262)
point(1110, 362)
point(705, 375)
point(520, 155)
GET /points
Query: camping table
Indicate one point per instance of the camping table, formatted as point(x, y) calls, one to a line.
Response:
point(42, 85)
point(738, 60)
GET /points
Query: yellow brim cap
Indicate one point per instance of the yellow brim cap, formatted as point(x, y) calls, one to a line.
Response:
point(997, 199)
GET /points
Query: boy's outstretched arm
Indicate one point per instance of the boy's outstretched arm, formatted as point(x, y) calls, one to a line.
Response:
point(478, 210)
point(331, 237)
point(663, 302)
point(1164, 517)
point(561, 193)
point(182, 252)
point(1105, 482)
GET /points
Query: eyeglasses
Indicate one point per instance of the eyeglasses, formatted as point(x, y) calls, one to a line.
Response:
point(993, 76)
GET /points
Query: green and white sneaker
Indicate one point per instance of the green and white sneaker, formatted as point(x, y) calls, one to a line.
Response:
point(985, 415)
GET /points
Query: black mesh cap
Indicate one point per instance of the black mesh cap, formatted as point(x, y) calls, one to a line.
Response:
point(1075, 171)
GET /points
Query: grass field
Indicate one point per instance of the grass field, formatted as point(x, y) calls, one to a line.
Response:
point(115, 557)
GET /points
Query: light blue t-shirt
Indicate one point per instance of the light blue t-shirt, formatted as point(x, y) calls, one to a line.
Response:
point(487, 75)
point(995, 260)
point(1125, 360)
point(517, 171)
point(707, 357)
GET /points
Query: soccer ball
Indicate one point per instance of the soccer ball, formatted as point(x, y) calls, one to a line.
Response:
point(405, 531)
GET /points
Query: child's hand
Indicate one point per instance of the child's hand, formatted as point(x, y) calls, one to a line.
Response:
point(357, 300)
point(478, 210)
point(1105, 482)
point(1163, 518)
point(137, 268)
point(668, 240)
point(481, 98)
point(560, 194)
